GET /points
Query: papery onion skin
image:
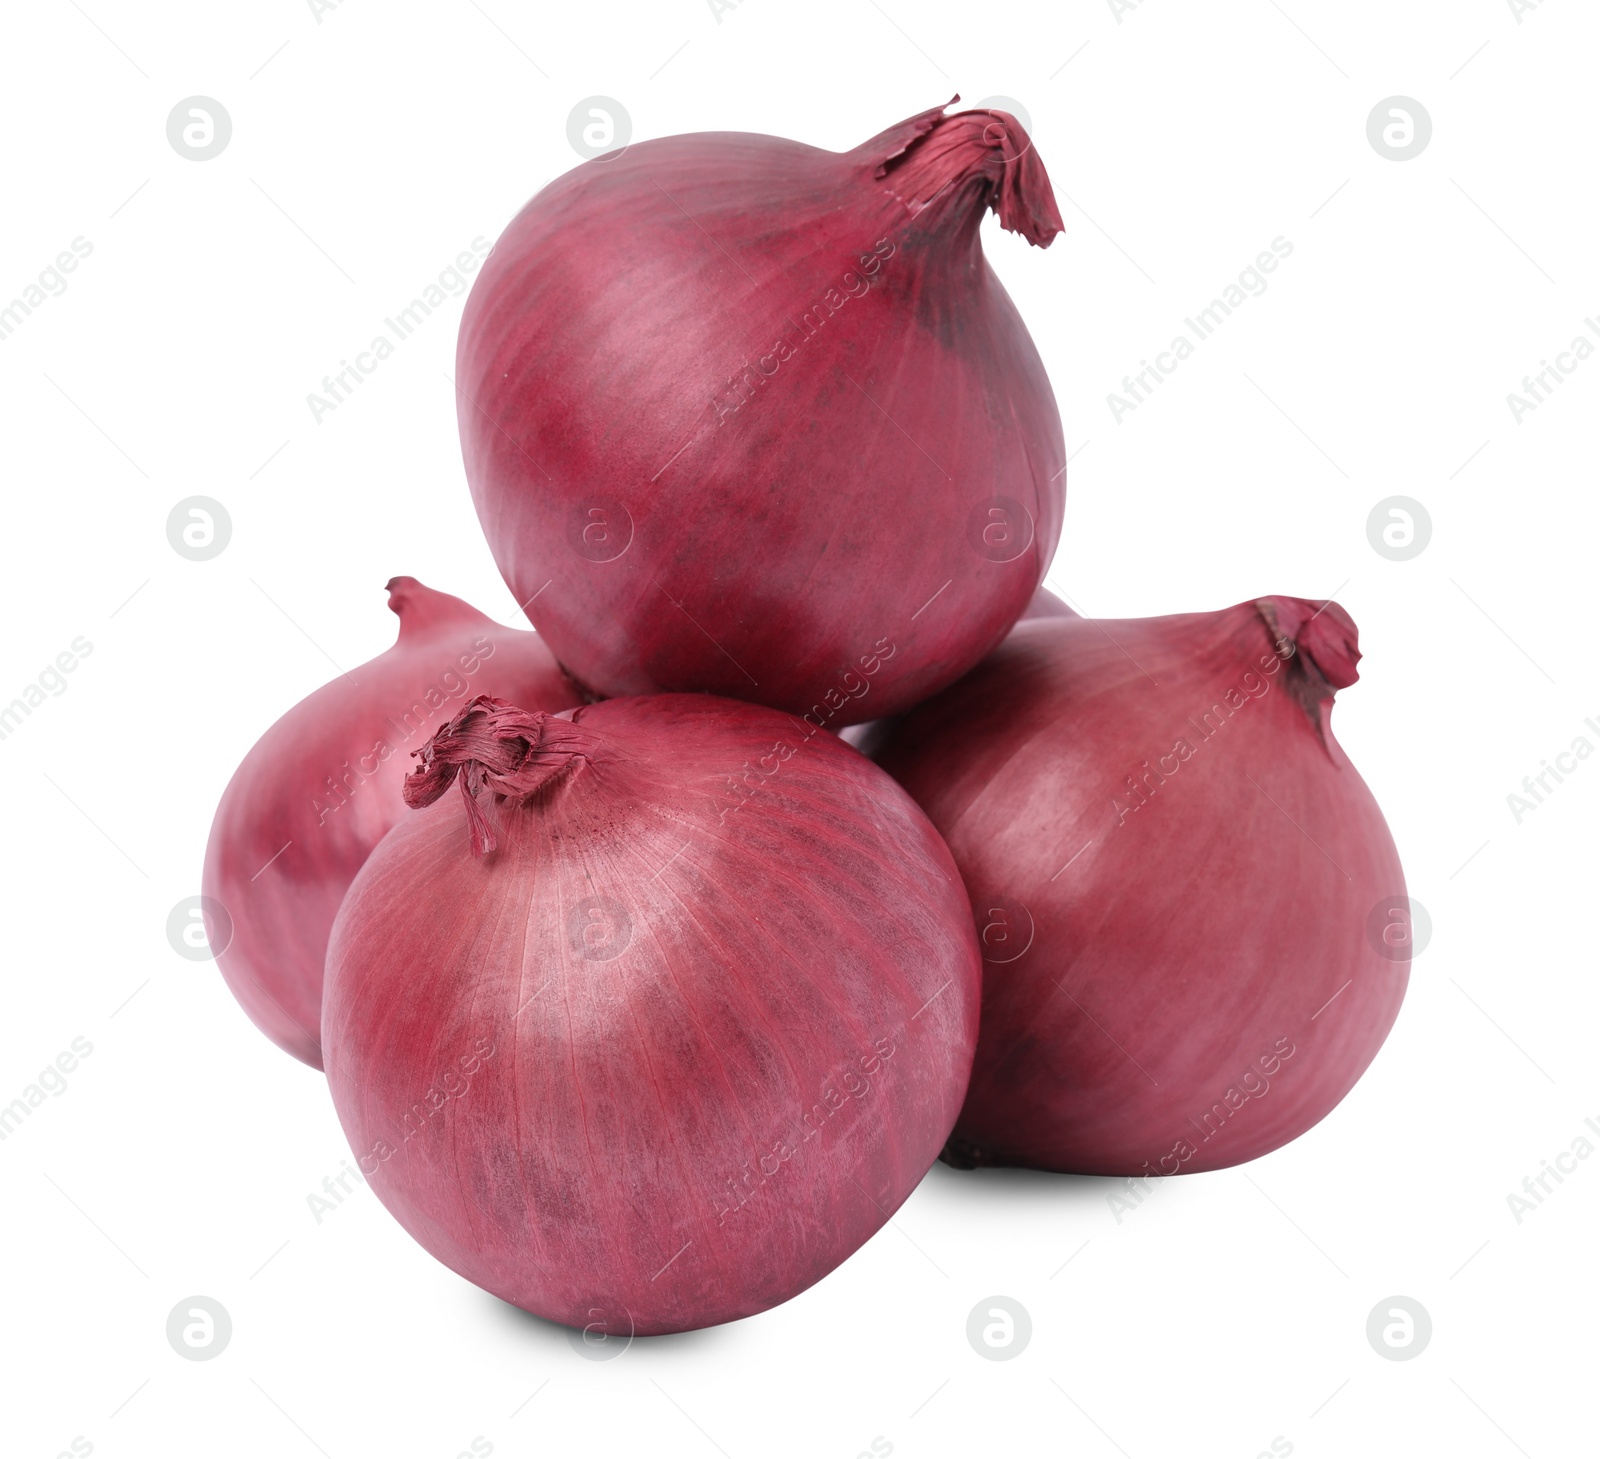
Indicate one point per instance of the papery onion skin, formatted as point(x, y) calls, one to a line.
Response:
point(317, 792)
point(867, 735)
point(717, 986)
point(757, 419)
point(1155, 946)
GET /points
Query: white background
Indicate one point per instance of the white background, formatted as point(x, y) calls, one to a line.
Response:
point(367, 151)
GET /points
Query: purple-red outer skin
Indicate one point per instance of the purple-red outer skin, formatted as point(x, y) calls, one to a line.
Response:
point(1045, 604)
point(280, 861)
point(586, 1168)
point(867, 735)
point(774, 549)
point(1173, 945)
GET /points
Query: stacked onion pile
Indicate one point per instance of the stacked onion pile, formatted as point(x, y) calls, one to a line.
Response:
point(644, 997)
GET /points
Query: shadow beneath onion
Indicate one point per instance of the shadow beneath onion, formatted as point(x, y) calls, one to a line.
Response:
point(543, 1332)
point(1019, 1185)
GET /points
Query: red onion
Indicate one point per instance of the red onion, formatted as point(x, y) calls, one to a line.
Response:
point(1045, 604)
point(1175, 870)
point(318, 791)
point(683, 1038)
point(870, 733)
point(748, 417)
